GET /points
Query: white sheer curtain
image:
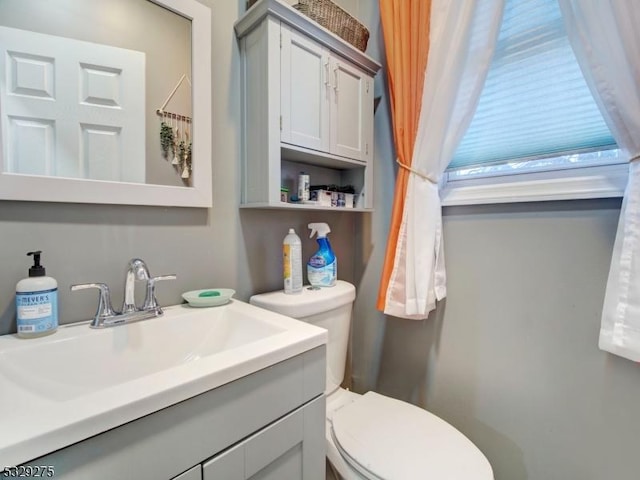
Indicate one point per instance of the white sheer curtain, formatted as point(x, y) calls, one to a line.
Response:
point(462, 40)
point(605, 35)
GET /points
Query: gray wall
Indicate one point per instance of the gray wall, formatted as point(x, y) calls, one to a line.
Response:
point(511, 358)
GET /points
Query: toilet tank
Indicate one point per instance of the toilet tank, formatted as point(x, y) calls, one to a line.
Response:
point(329, 308)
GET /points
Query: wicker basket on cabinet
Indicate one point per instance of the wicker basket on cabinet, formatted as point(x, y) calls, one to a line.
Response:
point(336, 20)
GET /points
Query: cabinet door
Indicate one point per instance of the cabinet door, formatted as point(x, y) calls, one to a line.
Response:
point(194, 473)
point(305, 91)
point(292, 448)
point(351, 110)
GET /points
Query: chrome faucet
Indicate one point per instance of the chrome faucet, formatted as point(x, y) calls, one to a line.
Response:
point(136, 270)
point(106, 316)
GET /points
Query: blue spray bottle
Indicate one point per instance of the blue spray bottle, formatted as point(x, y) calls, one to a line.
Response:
point(322, 267)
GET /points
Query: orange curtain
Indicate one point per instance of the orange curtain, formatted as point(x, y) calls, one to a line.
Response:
point(405, 25)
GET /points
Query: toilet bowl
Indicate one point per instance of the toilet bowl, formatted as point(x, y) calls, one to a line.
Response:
point(372, 436)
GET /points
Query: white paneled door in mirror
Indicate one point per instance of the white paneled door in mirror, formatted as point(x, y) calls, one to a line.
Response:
point(71, 108)
point(81, 85)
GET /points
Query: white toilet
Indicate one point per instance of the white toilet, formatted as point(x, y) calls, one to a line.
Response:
point(371, 436)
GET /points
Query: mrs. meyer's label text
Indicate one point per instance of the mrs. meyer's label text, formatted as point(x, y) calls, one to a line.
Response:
point(37, 311)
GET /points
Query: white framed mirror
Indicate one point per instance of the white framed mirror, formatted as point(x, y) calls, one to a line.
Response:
point(92, 133)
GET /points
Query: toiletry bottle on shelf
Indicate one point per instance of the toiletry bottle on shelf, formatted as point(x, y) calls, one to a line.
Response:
point(303, 187)
point(36, 302)
point(292, 262)
point(322, 268)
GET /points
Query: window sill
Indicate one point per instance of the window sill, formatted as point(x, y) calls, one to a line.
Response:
point(571, 184)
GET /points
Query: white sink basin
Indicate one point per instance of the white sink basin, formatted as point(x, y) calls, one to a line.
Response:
point(81, 361)
point(63, 388)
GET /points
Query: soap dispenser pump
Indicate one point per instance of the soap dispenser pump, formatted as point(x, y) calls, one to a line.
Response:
point(36, 302)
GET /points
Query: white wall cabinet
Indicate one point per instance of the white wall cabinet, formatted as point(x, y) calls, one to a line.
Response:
point(266, 426)
point(305, 93)
point(307, 106)
point(326, 102)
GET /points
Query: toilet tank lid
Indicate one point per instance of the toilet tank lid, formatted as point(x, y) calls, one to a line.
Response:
point(308, 302)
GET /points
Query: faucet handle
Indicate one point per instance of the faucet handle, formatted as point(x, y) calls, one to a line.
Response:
point(105, 310)
point(150, 302)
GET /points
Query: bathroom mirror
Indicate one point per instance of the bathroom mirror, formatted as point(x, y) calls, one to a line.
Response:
point(96, 101)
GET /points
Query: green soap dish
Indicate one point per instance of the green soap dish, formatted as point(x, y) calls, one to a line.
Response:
point(209, 293)
point(208, 297)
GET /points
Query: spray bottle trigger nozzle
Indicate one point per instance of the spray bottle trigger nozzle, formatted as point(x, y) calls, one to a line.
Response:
point(322, 229)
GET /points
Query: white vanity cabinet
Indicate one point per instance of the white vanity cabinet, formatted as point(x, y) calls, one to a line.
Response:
point(194, 473)
point(307, 106)
point(267, 425)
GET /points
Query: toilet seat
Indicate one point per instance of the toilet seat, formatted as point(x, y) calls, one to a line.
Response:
point(387, 439)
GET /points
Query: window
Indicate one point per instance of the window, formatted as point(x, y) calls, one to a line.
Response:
point(537, 133)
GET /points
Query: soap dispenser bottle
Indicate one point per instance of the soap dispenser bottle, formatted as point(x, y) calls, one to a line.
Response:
point(36, 302)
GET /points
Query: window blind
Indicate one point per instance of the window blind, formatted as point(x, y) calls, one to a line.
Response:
point(535, 101)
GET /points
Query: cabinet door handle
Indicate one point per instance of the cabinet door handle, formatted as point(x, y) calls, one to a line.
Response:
point(326, 74)
point(335, 74)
